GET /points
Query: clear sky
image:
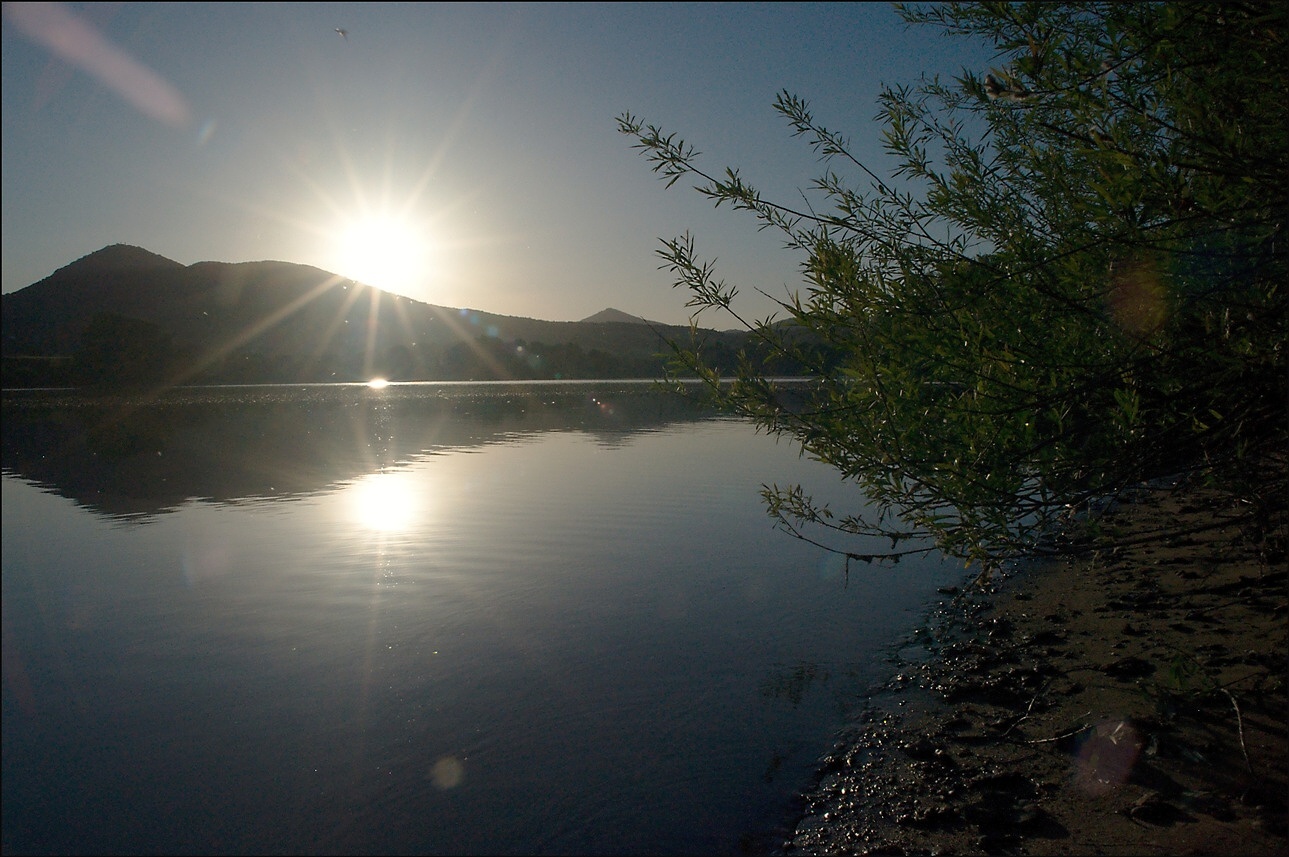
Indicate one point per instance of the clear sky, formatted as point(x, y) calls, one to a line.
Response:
point(464, 155)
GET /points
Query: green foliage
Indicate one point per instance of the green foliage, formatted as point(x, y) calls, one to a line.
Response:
point(1073, 283)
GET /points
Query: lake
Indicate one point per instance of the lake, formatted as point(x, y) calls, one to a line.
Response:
point(429, 618)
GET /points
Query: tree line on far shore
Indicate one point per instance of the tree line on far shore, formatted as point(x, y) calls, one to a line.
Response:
point(120, 352)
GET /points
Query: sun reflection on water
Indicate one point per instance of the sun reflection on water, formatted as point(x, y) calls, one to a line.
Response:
point(385, 502)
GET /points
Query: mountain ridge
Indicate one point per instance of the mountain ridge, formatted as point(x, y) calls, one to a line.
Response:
point(611, 314)
point(273, 321)
point(122, 257)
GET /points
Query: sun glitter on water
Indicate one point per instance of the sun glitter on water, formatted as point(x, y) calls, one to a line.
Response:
point(385, 502)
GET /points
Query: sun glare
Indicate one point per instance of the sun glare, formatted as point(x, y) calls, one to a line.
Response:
point(385, 502)
point(385, 252)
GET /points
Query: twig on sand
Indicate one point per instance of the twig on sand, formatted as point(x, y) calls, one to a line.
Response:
point(1239, 722)
point(1028, 709)
point(1084, 728)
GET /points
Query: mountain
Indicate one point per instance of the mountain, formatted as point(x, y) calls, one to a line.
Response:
point(123, 313)
point(616, 315)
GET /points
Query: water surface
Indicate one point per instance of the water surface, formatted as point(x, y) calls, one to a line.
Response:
point(431, 619)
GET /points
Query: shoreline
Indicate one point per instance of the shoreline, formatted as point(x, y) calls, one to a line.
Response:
point(1132, 701)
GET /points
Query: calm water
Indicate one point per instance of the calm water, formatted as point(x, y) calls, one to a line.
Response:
point(429, 619)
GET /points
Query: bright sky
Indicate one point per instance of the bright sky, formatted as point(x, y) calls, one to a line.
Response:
point(464, 155)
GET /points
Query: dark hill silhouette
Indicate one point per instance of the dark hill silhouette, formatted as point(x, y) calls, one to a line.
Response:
point(617, 315)
point(251, 322)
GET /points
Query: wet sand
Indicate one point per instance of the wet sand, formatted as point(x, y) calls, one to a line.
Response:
point(1132, 701)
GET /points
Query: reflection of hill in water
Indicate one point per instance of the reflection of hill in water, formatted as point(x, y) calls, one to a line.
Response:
point(124, 456)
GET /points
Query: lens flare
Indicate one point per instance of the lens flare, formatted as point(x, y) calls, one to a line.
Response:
point(1138, 297)
point(1107, 756)
point(447, 773)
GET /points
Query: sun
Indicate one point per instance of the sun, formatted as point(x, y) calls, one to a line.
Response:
point(388, 252)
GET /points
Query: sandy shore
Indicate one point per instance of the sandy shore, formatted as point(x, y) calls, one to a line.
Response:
point(1132, 702)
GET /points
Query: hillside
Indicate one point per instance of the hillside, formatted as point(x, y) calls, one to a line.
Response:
point(125, 314)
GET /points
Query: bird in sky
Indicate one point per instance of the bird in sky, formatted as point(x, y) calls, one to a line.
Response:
point(344, 34)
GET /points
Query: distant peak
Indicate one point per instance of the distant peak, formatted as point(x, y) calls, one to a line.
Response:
point(614, 315)
point(126, 256)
